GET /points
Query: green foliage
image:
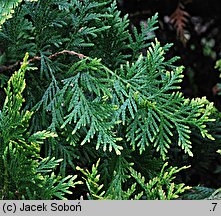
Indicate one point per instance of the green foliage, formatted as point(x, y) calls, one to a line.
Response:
point(206, 151)
point(199, 193)
point(160, 187)
point(24, 173)
point(115, 190)
point(150, 112)
point(7, 9)
point(97, 89)
point(140, 40)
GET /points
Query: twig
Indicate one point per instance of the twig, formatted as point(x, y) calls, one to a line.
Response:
point(80, 56)
point(38, 58)
point(10, 67)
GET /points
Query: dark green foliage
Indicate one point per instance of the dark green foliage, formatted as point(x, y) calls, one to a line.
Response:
point(24, 174)
point(198, 193)
point(99, 97)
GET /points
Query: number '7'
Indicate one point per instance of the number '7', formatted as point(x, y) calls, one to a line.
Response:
point(215, 204)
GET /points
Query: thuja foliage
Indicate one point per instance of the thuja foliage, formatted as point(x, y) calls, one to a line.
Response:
point(216, 193)
point(7, 9)
point(160, 187)
point(210, 153)
point(24, 174)
point(105, 92)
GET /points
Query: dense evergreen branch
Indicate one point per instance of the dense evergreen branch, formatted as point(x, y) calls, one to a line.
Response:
point(112, 103)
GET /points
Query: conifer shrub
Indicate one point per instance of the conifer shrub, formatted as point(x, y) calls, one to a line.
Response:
point(102, 105)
